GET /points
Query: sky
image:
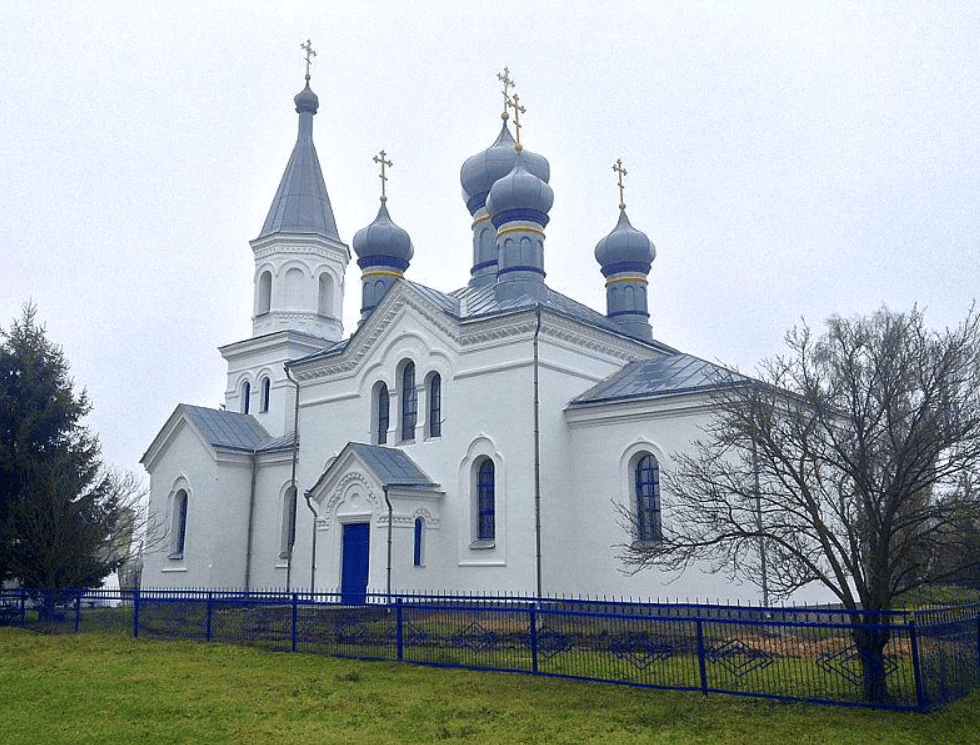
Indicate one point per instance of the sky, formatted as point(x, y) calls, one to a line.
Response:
point(790, 160)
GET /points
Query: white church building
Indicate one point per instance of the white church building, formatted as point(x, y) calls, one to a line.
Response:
point(479, 440)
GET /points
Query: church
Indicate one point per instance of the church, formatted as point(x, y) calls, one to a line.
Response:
point(484, 440)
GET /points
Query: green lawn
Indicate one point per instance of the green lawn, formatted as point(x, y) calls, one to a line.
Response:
point(91, 688)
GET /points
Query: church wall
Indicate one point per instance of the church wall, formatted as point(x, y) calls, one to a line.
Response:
point(214, 546)
point(566, 371)
point(605, 481)
point(272, 480)
point(253, 366)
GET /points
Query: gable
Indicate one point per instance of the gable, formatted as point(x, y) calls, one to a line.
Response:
point(217, 430)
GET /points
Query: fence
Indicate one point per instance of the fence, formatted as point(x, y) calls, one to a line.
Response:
point(911, 661)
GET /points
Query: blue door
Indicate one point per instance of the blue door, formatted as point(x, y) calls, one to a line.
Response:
point(354, 569)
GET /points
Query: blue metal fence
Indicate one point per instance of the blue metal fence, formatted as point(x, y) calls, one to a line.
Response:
point(911, 661)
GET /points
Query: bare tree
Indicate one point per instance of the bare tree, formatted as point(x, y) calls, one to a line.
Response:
point(71, 533)
point(846, 464)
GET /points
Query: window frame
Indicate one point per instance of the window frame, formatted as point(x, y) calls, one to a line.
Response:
point(264, 300)
point(434, 423)
point(178, 543)
point(382, 419)
point(287, 529)
point(246, 396)
point(418, 545)
point(646, 498)
point(409, 402)
point(265, 394)
point(486, 498)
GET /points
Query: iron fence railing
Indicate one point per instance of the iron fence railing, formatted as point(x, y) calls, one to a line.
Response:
point(914, 660)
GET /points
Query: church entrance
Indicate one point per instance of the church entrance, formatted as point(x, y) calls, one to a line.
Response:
point(354, 567)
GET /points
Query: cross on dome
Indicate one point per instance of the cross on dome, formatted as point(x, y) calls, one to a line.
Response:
point(380, 158)
point(514, 103)
point(504, 77)
point(308, 48)
point(618, 168)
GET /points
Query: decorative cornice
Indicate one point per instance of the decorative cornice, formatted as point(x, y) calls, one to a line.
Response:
point(377, 324)
point(324, 252)
point(587, 337)
point(557, 327)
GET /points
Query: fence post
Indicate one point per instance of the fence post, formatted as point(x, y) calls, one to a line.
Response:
point(295, 614)
point(399, 629)
point(210, 612)
point(702, 663)
point(23, 607)
point(920, 691)
point(978, 638)
point(533, 624)
point(136, 612)
point(78, 611)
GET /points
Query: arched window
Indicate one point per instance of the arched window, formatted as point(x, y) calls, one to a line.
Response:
point(382, 418)
point(419, 542)
point(325, 298)
point(287, 534)
point(266, 390)
point(179, 525)
point(485, 502)
point(435, 406)
point(246, 396)
point(647, 480)
point(410, 401)
point(294, 289)
point(265, 293)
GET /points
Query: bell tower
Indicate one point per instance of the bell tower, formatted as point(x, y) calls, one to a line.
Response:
point(300, 262)
point(299, 256)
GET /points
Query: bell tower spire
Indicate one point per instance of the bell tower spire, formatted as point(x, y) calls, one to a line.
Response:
point(299, 256)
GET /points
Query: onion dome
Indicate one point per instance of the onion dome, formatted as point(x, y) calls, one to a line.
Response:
point(481, 171)
point(625, 249)
point(306, 100)
point(520, 195)
point(382, 243)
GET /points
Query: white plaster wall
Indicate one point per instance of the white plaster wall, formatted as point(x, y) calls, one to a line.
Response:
point(214, 538)
point(592, 560)
point(665, 428)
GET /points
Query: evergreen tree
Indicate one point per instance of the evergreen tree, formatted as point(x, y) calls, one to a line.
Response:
point(59, 509)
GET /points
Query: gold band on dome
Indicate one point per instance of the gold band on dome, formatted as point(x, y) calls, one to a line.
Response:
point(521, 229)
point(632, 278)
point(478, 220)
point(380, 273)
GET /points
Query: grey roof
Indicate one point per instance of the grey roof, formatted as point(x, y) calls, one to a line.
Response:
point(468, 304)
point(669, 375)
point(391, 465)
point(301, 204)
point(227, 430)
point(276, 444)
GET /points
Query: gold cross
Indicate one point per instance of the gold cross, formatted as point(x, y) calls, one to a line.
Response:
point(309, 51)
point(380, 158)
point(504, 77)
point(514, 103)
point(618, 168)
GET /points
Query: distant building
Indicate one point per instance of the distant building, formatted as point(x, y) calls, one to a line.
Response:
point(482, 438)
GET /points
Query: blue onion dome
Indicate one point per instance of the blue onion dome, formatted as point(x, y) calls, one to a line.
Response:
point(625, 249)
point(520, 195)
point(481, 171)
point(382, 243)
point(306, 100)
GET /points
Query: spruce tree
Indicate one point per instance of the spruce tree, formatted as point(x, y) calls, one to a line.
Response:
point(58, 507)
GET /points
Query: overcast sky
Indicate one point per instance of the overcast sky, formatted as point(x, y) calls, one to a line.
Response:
point(788, 159)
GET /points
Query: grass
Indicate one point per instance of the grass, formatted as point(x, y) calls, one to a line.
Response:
point(89, 688)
